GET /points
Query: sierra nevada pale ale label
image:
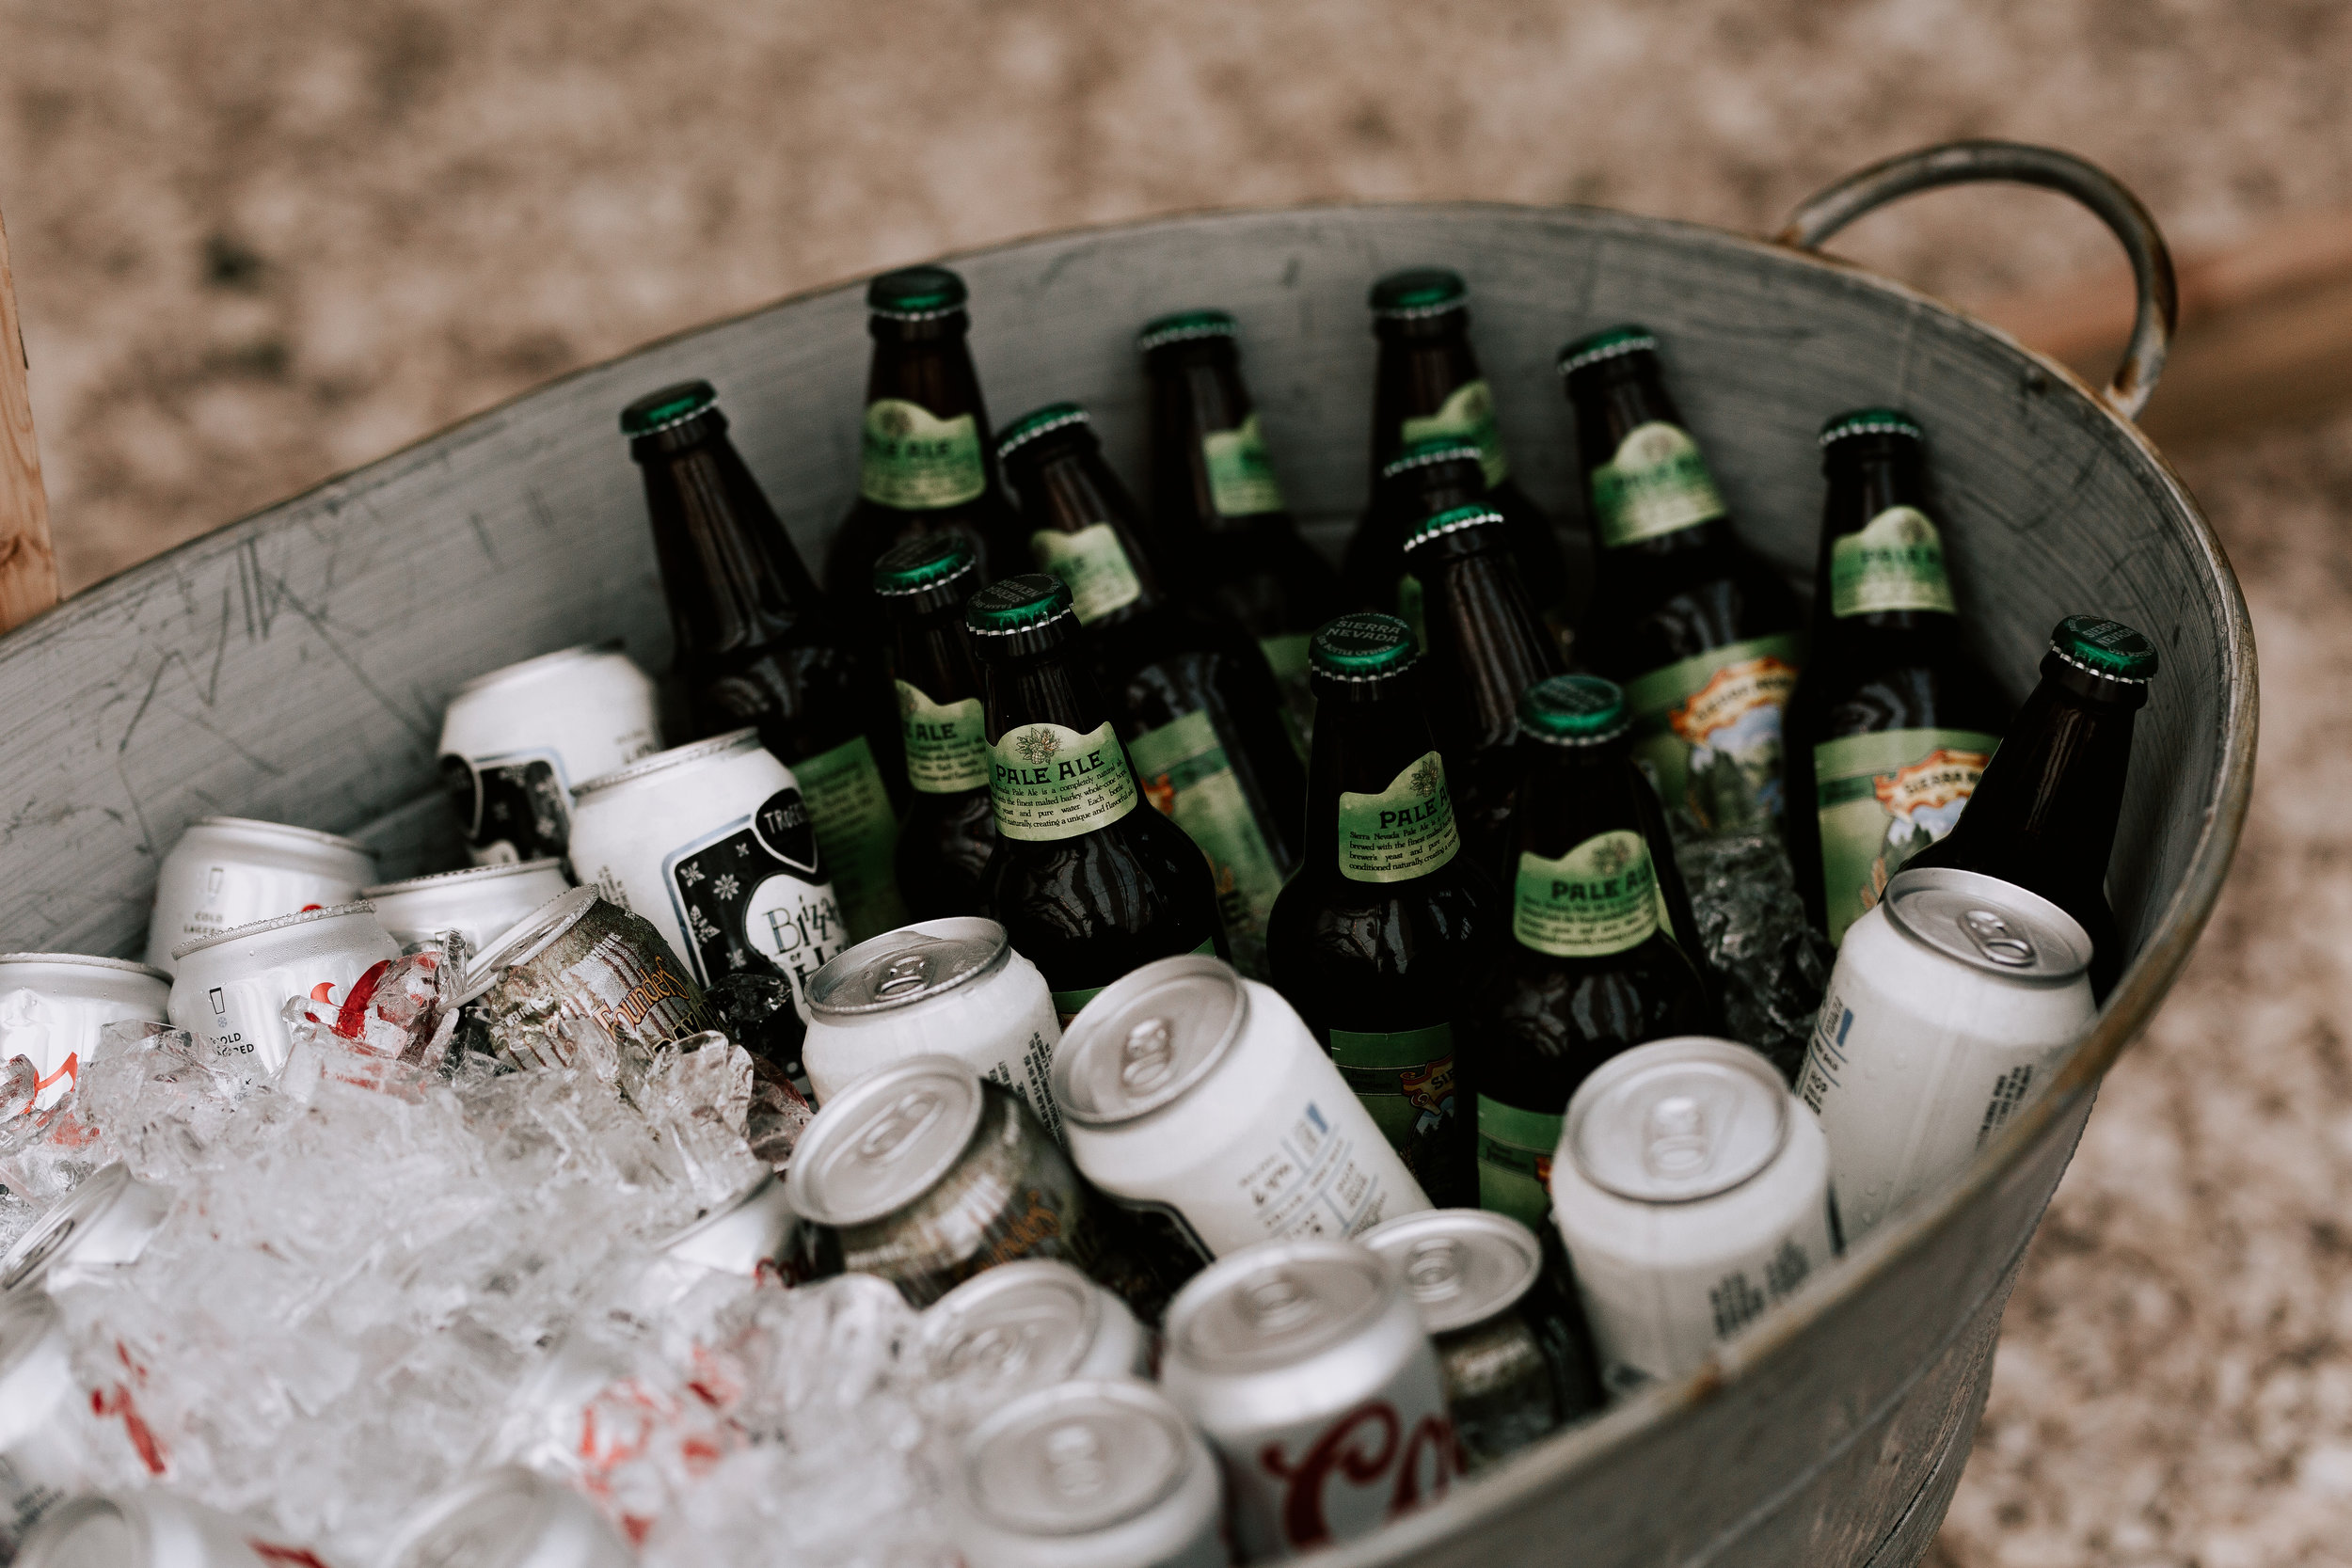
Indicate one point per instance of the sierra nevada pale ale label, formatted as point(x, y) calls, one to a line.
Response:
point(1286, 655)
point(1469, 415)
point(1048, 782)
point(1893, 561)
point(1067, 1003)
point(1181, 768)
point(856, 832)
point(1707, 731)
point(1403, 831)
point(1883, 799)
point(1241, 480)
point(947, 744)
point(1406, 1080)
point(1515, 1149)
point(1092, 563)
point(917, 461)
point(1600, 897)
point(1657, 482)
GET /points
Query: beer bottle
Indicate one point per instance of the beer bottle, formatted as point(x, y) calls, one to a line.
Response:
point(1385, 933)
point(1701, 632)
point(1086, 886)
point(1892, 721)
point(1426, 478)
point(1428, 384)
point(757, 644)
point(2043, 815)
point(1219, 509)
point(1590, 969)
point(924, 463)
point(1192, 698)
point(1486, 647)
point(950, 828)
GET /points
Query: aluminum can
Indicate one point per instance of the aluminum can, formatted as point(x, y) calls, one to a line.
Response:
point(1957, 1003)
point(480, 903)
point(509, 1518)
point(151, 1528)
point(1193, 1094)
point(1025, 1326)
point(45, 1453)
point(230, 989)
point(229, 872)
point(1306, 1364)
point(1692, 1191)
point(517, 740)
point(100, 1225)
point(951, 987)
point(1088, 1473)
point(754, 1235)
point(53, 1004)
point(712, 843)
point(576, 961)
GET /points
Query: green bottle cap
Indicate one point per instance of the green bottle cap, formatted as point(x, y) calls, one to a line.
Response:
point(1364, 646)
point(1432, 450)
point(1607, 345)
point(1018, 604)
point(1419, 292)
point(2108, 649)
point(915, 293)
point(1871, 421)
point(1037, 423)
point(1184, 326)
point(1574, 710)
point(1452, 521)
point(911, 566)
point(670, 405)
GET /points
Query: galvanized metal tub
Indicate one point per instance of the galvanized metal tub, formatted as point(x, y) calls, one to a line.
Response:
point(294, 665)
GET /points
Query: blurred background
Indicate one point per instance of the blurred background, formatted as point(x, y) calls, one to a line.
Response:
point(259, 242)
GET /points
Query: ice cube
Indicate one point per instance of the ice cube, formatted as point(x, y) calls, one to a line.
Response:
point(1770, 964)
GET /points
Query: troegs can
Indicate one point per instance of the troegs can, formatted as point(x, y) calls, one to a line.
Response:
point(509, 1518)
point(1023, 1325)
point(53, 1004)
point(480, 903)
point(229, 872)
point(1692, 1191)
point(100, 1225)
point(517, 740)
point(1306, 1364)
point(230, 989)
point(45, 1454)
point(580, 959)
point(1954, 1001)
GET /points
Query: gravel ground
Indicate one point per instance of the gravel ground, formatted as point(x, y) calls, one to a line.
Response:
point(260, 241)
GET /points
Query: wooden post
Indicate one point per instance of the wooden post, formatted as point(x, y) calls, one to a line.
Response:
point(29, 567)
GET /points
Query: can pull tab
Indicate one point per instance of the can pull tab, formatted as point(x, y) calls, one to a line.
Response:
point(1433, 1270)
point(1276, 1305)
point(1675, 1144)
point(907, 971)
point(1998, 939)
point(915, 1110)
point(1074, 1462)
point(1147, 1057)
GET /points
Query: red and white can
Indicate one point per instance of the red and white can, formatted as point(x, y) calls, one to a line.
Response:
point(480, 903)
point(52, 1006)
point(512, 1518)
point(100, 1225)
point(518, 741)
point(231, 989)
point(232, 871)
point(153, 1529)
point(45, 1453)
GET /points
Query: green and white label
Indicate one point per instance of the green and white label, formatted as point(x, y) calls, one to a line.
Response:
point(947, 744)
point(1286, 655)
point(1893, 561)
point(1468, 414)
point(1600, 897)
point(1094, 565)
point(1657, 482)
point(1067, 1003)
point(1182, 769)
point(1403, 831)
point(1048, 781)
point(917, 461)
point(1514, 1150)
point(1410, 609)
point(849, 809)
point(1406, 1080)
point(1241, 479)
point(1707, 731)
point(1883, 798)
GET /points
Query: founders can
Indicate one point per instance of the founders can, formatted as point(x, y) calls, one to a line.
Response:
point(479, 903)
point(1954, 1000)
point(232, 871)
point(1692, 1191)
point(231, 989)
point(517, 740)
point(1306, 1364)
point(580, 960)
point(1023, 1325)
point(53, 1004)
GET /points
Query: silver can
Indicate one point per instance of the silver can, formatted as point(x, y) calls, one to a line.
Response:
point(53, 1004)
point(1692, 1191)
point(100, 1225)
point(151, 1528)
point(228, 872)
point(580, 982)
point(1954, 1001)
point(509, 1518)
point(231, 989)
point(951, 987)
point(712, 843)
point(1189, 1092)
point(1307, 1364)
point(1088, 1473)
point(480, 903)
point(1023, 1325)
point(517, 740)
point(45, 1453)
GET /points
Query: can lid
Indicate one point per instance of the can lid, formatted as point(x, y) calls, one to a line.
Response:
point(676, 757)
point(1024, 1322)
point(917, 293)
point(1277, 1304)
point(1574, 710)
point(672, 405)
point(1431, 451)
point(501, 1515)
point(1678, 1119)
point(1461, 1266)
point(1018, 604)
point(911, 566)
point(1184, 326)
point(284, 830)
point(885, 1140)
point(1148, 1039)
point(2108, 649)
point(909, 965)
point(90, 960)
point(1078, 1458)
point(743, 1232)
point(54, 1235)
point(467, 875)
point(1364, 646)
point(1419, 292)
point(1607, 344)
point(1037, 423)
point(1988, 924)
point(1453, 519)
point(275, 923)
point(540, 663)
point(526, 939)
point(95, 1528)
point(1871, 421)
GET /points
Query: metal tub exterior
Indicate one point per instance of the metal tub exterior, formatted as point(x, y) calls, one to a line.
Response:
point(295, 666)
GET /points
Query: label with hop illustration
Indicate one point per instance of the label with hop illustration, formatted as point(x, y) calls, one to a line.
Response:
point(1655, 482)
point(1048, 782)
point(1400, 833)
point(1600, 897)
point(1893, 561)
point(1241, 480)
point(911, 459)
point(947, 744)
point(752, 894)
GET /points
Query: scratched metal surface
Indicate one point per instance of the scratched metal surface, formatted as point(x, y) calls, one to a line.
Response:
point(294, 666)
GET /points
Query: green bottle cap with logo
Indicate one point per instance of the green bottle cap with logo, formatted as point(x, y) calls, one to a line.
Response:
point(1574, 710)
point(1184, 326)
point(1020, 614)
point(672, 405)
point(915, 293)
point(1453, 519)
point(2108, 649)
point(1419, 292)
point(1037, 423)
point(1871, 421)
point(1431, 451)
point(1364, 646)
point(926, 562)
point(1614, 344)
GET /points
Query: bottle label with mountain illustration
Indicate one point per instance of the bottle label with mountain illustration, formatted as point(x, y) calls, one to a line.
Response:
point(1656, 483)
point(1883, 798)
point(1893, 561)
point(1183, 768)
point(911, 459)
point(1400, 833)
point(1048, 782)
point(1707, 731)
point(857, 833)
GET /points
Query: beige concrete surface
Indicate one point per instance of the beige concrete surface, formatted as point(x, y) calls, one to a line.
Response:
point(260, 241)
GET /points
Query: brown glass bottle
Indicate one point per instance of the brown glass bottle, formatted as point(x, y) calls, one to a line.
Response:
point(950, 830)
point(757, 644)
point(1426, 478)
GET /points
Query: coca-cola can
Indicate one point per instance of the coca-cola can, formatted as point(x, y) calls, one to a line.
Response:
point(1306, 1364)
point(230, 872)
point(45, 1454)
point(510, 1517)
point(711, 842)
point(1190, 1093)
point(1025, 1326)
point(100, 1225)
point(951, 987)
point(1093, 1473)
point(1692, 1191)
point(153, 1529)
point(579, 959)
point(231, 989)
point(480, 903)
point(517, 741)
point(53, 1004)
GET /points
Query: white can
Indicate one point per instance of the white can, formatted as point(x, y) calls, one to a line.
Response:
point(518, 740)
point(1692, 1191)
point(232, 871)
point(711, 842)
point(753, 1235)
point(150, 1529)
point(1188, 1091)
point(480, 903)
point(45, 1451)
point(233, 989)
point(52, 1006)
point(1954, 1001)
point(1022, 1325)
point(512, 1517)
point(951, 987)
point(102, 1225)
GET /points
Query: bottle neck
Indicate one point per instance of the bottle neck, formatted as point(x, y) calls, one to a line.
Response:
point(1571, 793)
point(1065, 486)
point(1423, 361)
point(1197, 392)
point(1872, 575)
point(734, 580)
point(926, 362)
point(929, 651)
point(1613, 399)
point(2048, 803)
point(1425, 492)
point(1483, 628)
point(1367, 733)
point(1049, 688)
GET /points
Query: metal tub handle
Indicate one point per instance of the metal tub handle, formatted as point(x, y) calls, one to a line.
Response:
point(1962, 163)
